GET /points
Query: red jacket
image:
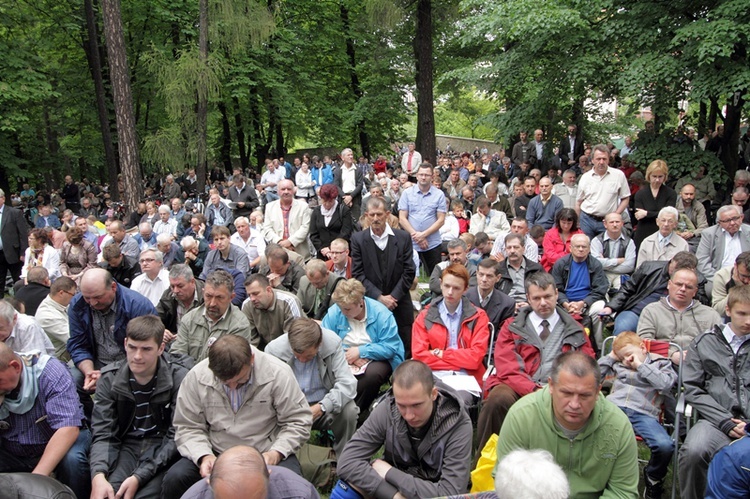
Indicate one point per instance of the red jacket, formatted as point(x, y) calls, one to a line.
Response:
point(430, 333)
point(518, 354)
point(554, 248)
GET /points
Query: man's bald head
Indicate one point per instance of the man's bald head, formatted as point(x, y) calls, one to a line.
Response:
point(98, 288)
point(240, 473)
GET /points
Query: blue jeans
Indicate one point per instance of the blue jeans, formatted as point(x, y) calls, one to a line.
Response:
point(589, 226)
point(625, 321)
point(657, 439)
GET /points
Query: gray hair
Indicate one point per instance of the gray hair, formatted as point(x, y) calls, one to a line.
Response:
point(164, 209)
point(530, 474)
point(145, 225)
point(158, 255)
point(7, 312)
point(457, 243)
point(727, 208)
point(220, 277)
point(163, 238)
point(188, 242)
point(316, 266)
point(181, 271)
point(669, 210)
point(243, 220)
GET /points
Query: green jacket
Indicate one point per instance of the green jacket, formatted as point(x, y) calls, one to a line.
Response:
point(602, 461)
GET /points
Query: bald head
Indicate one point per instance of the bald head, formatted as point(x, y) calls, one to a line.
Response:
point(98, 288)
point(240, 473)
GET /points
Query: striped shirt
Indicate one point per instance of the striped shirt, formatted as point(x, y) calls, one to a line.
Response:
point(144, 424)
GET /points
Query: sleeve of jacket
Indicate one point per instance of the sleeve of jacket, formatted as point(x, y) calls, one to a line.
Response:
point(420, 341)
point(299, 236)
point(345, 387)
point(181, 343)
point(623, 480)
point(268, 231)
point(694, 380)
point(164, 455)
point(557, 274)
point(251, 201)
point(191, 428)
point(79, 345)
point(535, 206)
point(510, 366)
point(347, 223)
point(293, 413)
point(704, 254)
point(627, 289)
point(229, 214)
point(435, 277)
point(470, 356)
point(728, 474)
point(407, 278)
point(90, 255)
point(599, 283)
point(455, 468)
point(659, 373)
point(358, 268)
point(105, 444)
point(554, 248)
point(719, 294)
point(647, 321)
point(387, 345)
point(314, 231)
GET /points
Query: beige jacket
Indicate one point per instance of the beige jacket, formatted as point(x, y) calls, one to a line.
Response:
point(194, 335)
point(299, 225)
point(274, 414)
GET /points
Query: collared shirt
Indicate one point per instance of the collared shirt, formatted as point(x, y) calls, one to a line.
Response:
point(212, 323)
point(734, 340)
point(452, 322)
point(348, 178)
point(484, 300)
point(152, 289)
point(539, 149)
point(254, 246)
point(357, 335)
point(308, 378)
point(342, 272)
point(382, 241)
point(237, 395)
point(732, 247)
point(181, 308)
point(28, 336)
point(423, 209)
point(663, 240)
point(536, 321)
point(601, 194)
point(275, 177)
point(169, 227)
point(518, 291)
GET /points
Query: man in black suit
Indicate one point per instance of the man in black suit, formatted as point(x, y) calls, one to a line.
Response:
point(350, 181)
point(13, 241)
point(382, 259)
point(484, 295)
point(571, 148)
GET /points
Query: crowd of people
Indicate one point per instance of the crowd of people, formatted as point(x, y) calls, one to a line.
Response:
point(189, 348)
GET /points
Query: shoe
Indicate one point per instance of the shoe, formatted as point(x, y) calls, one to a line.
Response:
point(654, 489)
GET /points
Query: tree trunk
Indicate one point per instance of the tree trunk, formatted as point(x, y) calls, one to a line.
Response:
point(91, 48)
point(123, 100)
point(731, 140)
point(240, 132)
point(712, 114)
point(226, 138)
point(364, 139)
point(201, 168)
point(702, 112)
point(425, 142)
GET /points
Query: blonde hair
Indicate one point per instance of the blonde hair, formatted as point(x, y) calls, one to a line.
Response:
point(657, 166)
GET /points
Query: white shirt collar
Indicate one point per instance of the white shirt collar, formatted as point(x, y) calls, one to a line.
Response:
point(536, 321)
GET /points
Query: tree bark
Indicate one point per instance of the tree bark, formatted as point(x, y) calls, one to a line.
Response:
point(91, 48)
point(425, 141)
point(731, 140)
point(226, 138)
point(123, 100)
point(201, 167)
point(240, 132)
point(702, 112)
point(364, 138)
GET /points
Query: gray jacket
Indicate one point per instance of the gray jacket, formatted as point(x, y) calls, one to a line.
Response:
point(439, 466)
point(661, 321)
point(710, 252)
point(716, 380)
point(641, 390)
point(334, 370)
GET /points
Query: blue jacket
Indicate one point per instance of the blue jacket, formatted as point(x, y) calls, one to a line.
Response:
point(52, 221)
point(130, 304)
point(322, 176)
point(381, 327)
point(150, 242)
point(729, 471)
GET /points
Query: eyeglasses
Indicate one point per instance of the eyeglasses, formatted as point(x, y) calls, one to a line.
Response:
point(147, 260)
point(731, 220)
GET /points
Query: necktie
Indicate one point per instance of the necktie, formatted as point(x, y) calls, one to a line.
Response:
point(408, 165)
point(319, 297)
point(545, 331)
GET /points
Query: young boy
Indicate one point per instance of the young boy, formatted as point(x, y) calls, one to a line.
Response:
point(641, 381)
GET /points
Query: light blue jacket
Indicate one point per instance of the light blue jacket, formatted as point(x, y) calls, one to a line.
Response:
point(381, 327)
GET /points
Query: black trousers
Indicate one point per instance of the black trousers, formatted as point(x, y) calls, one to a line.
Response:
point(14, 268)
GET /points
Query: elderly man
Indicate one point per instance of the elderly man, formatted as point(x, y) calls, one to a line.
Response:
point(35, 290)
point(615, 250)
point(350, 181)
point(216, 317)
point(722, 243)
point(238, 394)
point(457, 254)
point(695, 212)
point(21, 332)
point(171, 189)
point(427, 437)
point(218, 213)
point(146, 237)
point(184, 294)
point(177, 211)
point(570, 417)
point(287, 221)
point(43, 425)
point(281, 272)
point(601, 190)
point(567, 191)
point(411, 160)
point(727, 278)
point(543, 208)
point(518, 226)
point(155, 278)
point(128, 245)
point(250, 240)
point(269, 311)
point(678, 317)
point(52, 315)
point(244, 197)
point(98, 317)
point(171, 250)
point(663, 244)
point(319, 364)
point(524, 351)
point(225, 256)
point(514, 269)
point(316, 288)
point(492, 222)
point(123, 268)
point(166, 224)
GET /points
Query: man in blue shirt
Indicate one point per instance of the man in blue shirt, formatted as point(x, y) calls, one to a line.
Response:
point(421, 211)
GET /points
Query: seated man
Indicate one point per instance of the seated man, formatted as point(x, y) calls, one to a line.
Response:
point(694, 212)
point(716, 377)
point(35, 291)
point(216, 317)
point(122, 268)
point(664, 243)
point(497, 305)
point(525, 348)
point(250, 240)
point(237, 395)
point(570, 417)
point(132, 437)
point(722, 243)
point(457, 255)
point(543, 207)
point(319, 364)
point(647, 285)
point(120, 238)
point(521, 227)
point(581, 282)
point(166, 224)
point(316, 288)
point(727, 278)
point(281, 272)
point(195, 252)
point(42, 420)
point(52, 315)
point(269, 311)
point(451, 335)
point(21, 333)
point(155, 278)
point(184, 294)
point(225, 256)
point(427, 437)
point(146, 237)
point(615, 250)
point(492, 222)
point(678, 317)
point(171, 250)
point(242, 469)
point(340, 262)
point(514, 269)
point(369, 336)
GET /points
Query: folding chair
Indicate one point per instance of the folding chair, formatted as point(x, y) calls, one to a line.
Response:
point(662, 348)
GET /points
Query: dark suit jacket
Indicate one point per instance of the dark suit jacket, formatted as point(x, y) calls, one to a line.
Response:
point(341, 225)
point(397, 279)
point(167, 306)
point(565, 151)
point(307, 291)
point(31, 296)
point(359, 181)
point(499, 308)
point(15, 234)
point(247, 196)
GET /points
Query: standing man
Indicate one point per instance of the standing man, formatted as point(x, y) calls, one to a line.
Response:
point(244, 197)
point(589, 437)
point(70, 195)
point(601, 190)
point(421, 212)
point(410, 161)
point(14, 239)
point(541, 152)
point(695, 212)
point(269, 182)
point(571, 147)
point(350, 181)
point(287, 221)
point(382, 261)
point(523, 150)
